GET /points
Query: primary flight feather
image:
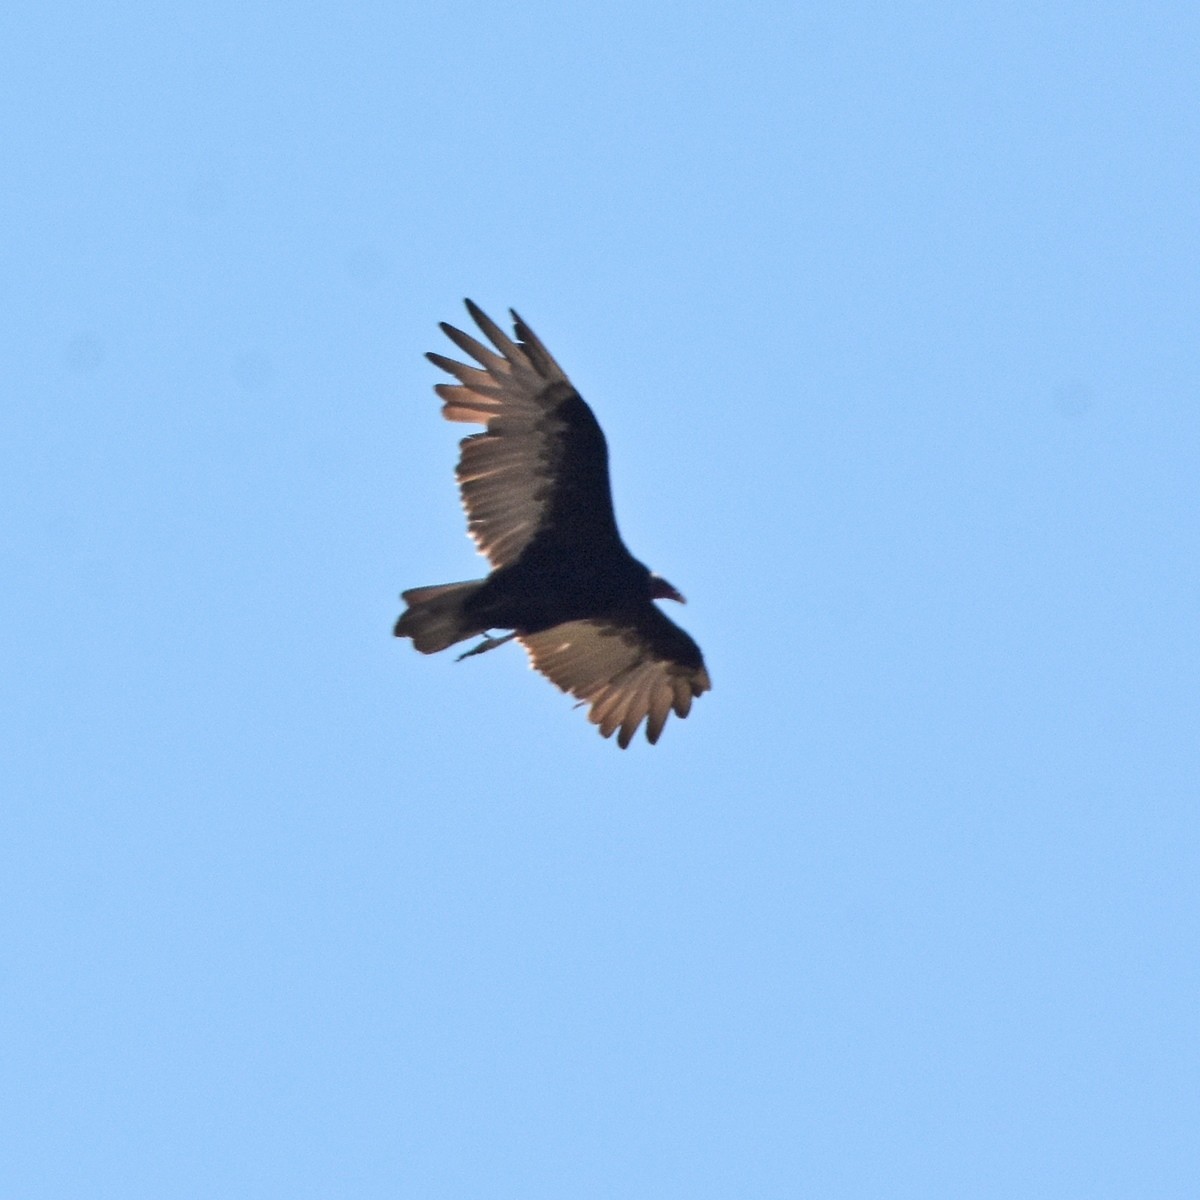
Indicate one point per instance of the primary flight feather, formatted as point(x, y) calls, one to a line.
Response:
point(539, 505)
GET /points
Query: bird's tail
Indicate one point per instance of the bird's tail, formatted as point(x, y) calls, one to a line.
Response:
point(435, 616)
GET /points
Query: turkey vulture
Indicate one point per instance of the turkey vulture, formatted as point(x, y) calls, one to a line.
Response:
point(536, 491)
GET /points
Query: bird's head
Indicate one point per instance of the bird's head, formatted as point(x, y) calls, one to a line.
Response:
point(660, 589)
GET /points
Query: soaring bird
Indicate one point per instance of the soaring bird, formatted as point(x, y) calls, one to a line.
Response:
point(539, 505)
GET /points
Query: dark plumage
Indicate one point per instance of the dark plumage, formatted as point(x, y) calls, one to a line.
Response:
point(536, 491)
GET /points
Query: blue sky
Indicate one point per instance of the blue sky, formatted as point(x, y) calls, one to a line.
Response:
point(891, 316)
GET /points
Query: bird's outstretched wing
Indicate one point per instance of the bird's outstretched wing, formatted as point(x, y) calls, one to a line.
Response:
point(542, 464)
point(627, 671)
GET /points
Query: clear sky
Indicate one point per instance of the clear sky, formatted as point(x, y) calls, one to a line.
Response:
point(891, 315)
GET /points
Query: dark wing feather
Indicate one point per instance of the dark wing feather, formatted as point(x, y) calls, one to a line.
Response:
point(543, 462)
point(628, 671)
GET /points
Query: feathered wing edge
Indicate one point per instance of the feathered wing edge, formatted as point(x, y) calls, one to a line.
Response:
point(502, 473)
point(619, 675)
point(508, 383)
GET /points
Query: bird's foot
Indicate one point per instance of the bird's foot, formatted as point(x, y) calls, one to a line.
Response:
point(488, 643)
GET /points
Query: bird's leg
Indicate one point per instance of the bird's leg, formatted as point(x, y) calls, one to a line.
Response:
point(488, 643)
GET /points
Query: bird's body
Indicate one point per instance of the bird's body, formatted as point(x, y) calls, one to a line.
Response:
point(536, 489)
